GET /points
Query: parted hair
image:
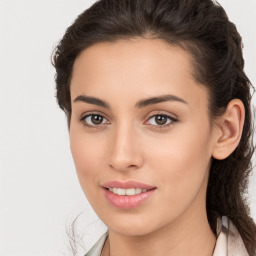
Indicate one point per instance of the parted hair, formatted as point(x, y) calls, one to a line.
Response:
point(202, 28)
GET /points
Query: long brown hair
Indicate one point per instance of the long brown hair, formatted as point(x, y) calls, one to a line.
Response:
point(202, 28)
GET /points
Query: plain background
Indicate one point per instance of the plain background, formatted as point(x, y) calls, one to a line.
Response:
point(39, 191)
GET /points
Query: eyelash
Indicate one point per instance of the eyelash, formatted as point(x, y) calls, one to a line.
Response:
point(172, 120)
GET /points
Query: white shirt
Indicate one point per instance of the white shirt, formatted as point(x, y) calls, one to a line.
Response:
point(229, 241)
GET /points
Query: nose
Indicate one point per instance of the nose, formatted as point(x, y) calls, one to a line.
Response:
point(125, 150)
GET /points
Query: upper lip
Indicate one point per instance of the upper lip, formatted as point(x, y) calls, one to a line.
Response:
point(126, 184)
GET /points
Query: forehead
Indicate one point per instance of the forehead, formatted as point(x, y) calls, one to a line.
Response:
point(138, 67)
point(134, 55)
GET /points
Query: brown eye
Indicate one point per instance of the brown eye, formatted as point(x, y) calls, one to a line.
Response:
point(94, 120)
point(161, 120)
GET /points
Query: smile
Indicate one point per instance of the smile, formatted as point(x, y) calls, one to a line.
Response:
point(127, 192)
point(127, 195)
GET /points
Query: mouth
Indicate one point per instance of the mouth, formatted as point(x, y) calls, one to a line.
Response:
point(127, 195)
point(128, 192)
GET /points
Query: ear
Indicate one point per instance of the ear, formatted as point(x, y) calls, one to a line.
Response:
point(229, 130)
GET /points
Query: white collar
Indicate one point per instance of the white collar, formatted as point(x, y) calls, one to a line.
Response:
point(229, 241)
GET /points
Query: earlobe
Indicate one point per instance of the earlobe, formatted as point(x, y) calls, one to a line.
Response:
point(229, 130)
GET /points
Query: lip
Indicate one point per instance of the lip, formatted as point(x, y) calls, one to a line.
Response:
point(127, 202)
point(126, 184)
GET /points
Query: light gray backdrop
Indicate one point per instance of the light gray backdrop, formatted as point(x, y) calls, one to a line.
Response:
point(39, 190)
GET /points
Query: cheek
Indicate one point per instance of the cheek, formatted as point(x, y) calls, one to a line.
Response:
point(87, 156)
point(181, 163)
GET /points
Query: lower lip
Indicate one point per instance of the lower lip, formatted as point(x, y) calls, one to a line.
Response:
point(127, 202)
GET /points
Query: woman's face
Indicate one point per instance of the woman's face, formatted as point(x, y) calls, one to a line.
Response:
point(140, 121)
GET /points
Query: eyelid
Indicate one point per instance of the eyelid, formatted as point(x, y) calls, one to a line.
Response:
point(93, 113)
point(160, 113)
point(156, 113)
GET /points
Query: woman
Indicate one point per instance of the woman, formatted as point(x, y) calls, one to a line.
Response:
point(158, 110)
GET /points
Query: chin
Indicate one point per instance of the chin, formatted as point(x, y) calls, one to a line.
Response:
point(134, 225)
point(126, 230)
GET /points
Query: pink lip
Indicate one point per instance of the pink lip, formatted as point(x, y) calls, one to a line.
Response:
point(126, 184)
point(127, 202)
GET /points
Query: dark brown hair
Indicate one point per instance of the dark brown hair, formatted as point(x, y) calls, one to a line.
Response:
point(202, 28)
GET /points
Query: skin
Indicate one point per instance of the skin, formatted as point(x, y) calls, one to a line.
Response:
point(130, 145)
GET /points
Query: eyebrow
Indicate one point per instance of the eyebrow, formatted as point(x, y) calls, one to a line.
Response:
point(140, 104)
point(92, 100)
point(154, 100)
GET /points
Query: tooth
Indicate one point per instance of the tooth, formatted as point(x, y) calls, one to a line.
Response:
point(121, 192)
point(127, 192)
point(130, 192)
point(138, 191)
